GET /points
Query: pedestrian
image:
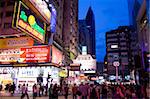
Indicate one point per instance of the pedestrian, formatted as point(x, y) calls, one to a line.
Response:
point(26, 91)
point(50, 91)
point(92, 92)
point(83, 90)
point(38, 90)
point(34, 91)
point(55, 92)
point(13, 86)
point(66, 91)
point(74, 91)
point(23, 91)
point(104, 92)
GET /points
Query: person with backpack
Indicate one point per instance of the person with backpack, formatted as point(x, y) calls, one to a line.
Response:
point(92, 92)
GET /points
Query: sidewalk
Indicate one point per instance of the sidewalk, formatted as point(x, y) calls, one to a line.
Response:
point(6, 95)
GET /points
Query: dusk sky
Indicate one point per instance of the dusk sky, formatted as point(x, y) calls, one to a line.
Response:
point(109, 14)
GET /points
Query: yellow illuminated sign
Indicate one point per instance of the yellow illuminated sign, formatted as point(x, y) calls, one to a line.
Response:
point(27, 27)
point(28, 22)
point(31, 20)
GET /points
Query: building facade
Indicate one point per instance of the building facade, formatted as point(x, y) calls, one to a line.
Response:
point(139, 14)
point(70, 26)
point(118, 49)
point(6, 17)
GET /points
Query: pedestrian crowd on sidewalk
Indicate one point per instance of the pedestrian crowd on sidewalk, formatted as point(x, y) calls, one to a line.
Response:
point(83, 91)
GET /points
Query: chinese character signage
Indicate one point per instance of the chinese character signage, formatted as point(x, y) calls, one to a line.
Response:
point(28, 22)
point(34, 54)
point(16, 42)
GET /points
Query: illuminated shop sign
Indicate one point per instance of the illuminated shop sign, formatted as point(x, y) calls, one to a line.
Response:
point(41, 6)
point(16, 42)
point(36, 54)
point(86, 61)
point(32, 54)
point(56, 55)
point(29, 23)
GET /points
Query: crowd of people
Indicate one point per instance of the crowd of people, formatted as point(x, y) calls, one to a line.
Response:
point(82, 91)
point(95, 91)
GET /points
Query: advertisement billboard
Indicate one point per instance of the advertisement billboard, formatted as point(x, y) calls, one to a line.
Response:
point(87, 63)
point(16, 42)
point(26, 54)
point(41, 7)
point(56, 55)
point(27, 21)
point(35, 54)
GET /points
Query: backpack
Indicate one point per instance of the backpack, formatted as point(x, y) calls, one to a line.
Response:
point(93, 92)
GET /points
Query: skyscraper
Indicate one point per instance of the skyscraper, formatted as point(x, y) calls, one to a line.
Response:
point(118, 50)
point(84, 36)
point(90, 21)
point(87, 32)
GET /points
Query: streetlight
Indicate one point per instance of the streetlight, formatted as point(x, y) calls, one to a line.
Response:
point(116, 64)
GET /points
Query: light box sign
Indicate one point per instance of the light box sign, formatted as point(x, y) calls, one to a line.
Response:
point(42, 7)
point(16, 42)
point(29, 23)
point(34, 54)
point(56, 55)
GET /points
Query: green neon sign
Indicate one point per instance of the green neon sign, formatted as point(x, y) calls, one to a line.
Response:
point(32, 22)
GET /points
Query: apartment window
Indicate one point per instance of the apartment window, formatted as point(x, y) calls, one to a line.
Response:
point(7, 25)
point(9, 13)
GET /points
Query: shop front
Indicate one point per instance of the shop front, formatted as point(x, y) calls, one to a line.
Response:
point(28, 75)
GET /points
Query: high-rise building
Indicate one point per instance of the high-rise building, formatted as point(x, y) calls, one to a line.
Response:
point(87, 33)
point(84, 36)
point(118, 50)
point(70, 26)
point(90, 22)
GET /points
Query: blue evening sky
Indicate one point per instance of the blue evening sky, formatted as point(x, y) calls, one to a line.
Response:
point(109, 14)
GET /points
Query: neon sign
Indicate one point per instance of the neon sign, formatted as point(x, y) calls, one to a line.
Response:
point(29, 23)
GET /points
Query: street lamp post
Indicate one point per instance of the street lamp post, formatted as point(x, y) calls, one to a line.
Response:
point(116, 64)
